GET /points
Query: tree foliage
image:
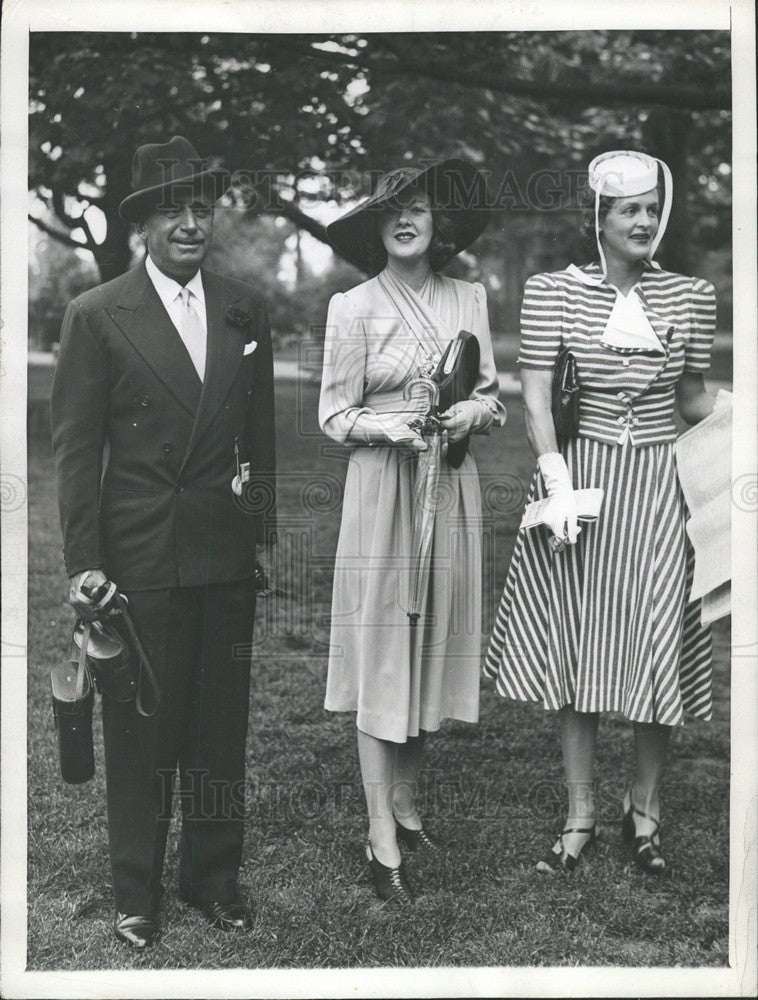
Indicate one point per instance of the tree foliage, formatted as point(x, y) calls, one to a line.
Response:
point(302, 118)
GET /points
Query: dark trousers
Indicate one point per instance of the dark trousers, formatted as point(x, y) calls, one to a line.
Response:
point(197, 640)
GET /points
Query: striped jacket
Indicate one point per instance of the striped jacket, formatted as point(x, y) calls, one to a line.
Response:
point(622, 391)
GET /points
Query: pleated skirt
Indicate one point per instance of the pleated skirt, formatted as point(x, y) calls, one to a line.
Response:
point(397, 679)
point(605, 624)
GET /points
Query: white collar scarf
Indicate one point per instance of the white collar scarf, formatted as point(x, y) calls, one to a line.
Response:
point(628, 327)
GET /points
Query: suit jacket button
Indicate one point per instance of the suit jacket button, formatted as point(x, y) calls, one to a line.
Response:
point(145, 401)
point(167, 447)
point(178, 489)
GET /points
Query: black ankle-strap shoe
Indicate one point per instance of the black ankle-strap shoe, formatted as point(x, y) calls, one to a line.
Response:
point(646, 851)
point(560, 859)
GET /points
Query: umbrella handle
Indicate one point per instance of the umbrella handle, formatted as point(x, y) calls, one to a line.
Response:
point(426, 383)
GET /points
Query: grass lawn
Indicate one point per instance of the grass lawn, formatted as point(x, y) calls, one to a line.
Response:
point(493, 790)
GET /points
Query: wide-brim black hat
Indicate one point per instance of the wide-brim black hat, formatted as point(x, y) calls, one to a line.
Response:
point(454, 186)
point(158, 169)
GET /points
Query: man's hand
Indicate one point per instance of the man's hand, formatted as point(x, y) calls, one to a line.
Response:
point(92, 580)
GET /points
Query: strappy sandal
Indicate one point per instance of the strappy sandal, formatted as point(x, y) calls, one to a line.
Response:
point(645, 851)
point(561, 860)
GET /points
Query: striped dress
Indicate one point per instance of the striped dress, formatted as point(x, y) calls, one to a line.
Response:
point(605, 624)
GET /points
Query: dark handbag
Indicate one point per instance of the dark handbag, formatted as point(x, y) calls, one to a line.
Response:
point(456, 376)
point(565, 396)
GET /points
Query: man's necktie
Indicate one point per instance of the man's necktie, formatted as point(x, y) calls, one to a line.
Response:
point(192, 331)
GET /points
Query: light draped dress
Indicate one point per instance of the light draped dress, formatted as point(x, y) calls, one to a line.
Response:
point(397, 679)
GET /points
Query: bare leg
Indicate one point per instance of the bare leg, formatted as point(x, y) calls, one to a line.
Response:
point(651, 741)
point(407, 767)
point(377, 760)
point(578, 738)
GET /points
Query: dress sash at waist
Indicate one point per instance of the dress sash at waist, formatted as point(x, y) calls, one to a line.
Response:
point(394, 401)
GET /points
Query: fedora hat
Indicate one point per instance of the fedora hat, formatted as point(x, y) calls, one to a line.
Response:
point(453, 185)
point(158, 167)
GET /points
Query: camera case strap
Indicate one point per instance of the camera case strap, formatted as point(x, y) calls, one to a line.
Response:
point(108, 656)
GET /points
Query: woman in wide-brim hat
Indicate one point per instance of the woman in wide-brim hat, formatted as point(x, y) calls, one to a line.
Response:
point(597, 619)
point(403, 682)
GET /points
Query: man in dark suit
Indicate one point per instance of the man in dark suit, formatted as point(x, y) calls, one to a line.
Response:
point(163, 387)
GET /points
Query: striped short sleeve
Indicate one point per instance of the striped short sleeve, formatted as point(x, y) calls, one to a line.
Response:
point(541, 321)
point(697, 353)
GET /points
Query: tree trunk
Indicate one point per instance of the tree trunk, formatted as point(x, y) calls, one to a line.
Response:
point(668, 137)
point(113, 256)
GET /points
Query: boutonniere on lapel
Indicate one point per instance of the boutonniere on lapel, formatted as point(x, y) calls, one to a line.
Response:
point(238, 317)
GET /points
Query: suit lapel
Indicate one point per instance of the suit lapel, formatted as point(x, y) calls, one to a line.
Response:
point(223, 357)
point(141, 317)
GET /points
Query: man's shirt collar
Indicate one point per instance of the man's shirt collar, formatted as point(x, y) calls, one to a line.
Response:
point(168, 289)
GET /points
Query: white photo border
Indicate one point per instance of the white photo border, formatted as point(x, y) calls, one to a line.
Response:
point(22, 16)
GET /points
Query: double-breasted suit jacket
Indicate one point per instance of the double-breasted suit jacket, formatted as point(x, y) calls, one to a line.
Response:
point(145, 457)
point(145, 451)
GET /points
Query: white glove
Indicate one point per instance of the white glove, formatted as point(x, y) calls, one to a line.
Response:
point(393, 429)
point(411, 439)
point(560, 510)
point(464, 418)
point(723, 400)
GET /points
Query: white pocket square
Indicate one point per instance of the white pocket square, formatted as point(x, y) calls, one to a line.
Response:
point(249, 348)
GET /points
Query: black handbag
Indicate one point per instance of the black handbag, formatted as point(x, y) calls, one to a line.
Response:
point(455, 377)
point(565, 396)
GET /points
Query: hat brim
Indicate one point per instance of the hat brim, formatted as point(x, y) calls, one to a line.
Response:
point(140, 203)
point(454, 186)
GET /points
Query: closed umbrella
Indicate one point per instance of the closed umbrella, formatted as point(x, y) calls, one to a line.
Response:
point(424, 497)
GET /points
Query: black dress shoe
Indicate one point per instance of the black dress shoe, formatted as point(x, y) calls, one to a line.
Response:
point(138, 931)
point(231, 916)
point(389, 883)
point(415, 839)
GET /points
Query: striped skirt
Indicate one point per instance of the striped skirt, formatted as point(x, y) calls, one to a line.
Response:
point(605, 624)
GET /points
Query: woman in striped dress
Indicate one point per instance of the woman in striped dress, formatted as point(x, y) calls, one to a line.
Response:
point(596, 619)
